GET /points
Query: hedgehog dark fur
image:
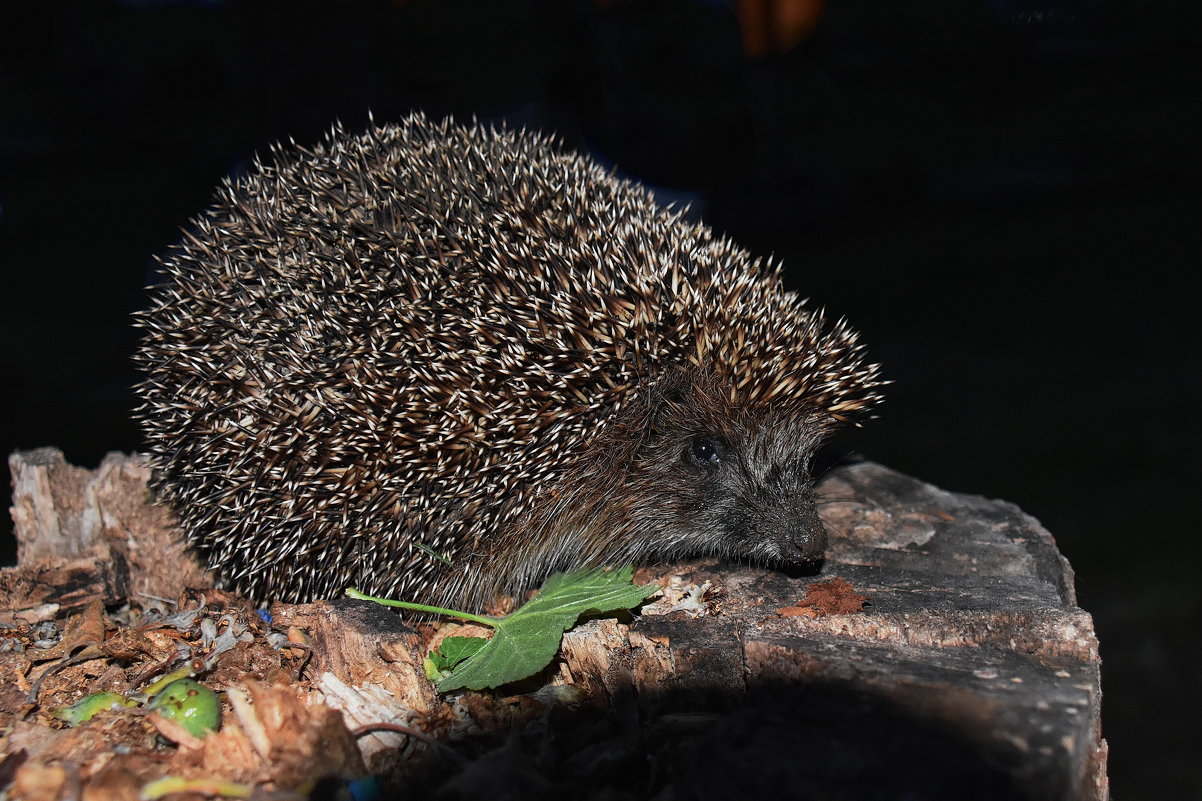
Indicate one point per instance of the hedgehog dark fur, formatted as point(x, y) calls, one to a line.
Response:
point(439, 362)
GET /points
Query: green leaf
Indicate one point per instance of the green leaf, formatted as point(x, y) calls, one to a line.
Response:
point(528, 639)
point(450, 653)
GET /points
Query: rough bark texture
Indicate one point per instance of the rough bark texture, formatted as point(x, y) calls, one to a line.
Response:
point(83, 534)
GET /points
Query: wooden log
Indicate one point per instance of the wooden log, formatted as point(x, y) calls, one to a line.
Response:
point(969, 667)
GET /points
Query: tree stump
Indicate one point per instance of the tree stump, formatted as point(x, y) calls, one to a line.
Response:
point(970, 669)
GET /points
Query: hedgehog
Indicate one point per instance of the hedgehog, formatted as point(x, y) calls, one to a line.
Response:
point(439, 362)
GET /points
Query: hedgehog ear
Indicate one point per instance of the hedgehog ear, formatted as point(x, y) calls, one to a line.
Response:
point(669, 399)
point(673, 397)
point(675, 385)
point(657, 419)
point(678, 401)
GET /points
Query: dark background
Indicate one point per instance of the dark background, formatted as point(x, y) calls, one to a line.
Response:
point(1002, 195)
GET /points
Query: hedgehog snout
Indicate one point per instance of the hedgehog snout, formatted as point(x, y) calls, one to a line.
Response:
point(800, 535)
point(784, 526)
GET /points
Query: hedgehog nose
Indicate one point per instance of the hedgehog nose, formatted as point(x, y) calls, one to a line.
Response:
point(804, 537)
point(807, 544)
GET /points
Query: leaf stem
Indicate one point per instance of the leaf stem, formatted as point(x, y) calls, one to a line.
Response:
point(437, 610)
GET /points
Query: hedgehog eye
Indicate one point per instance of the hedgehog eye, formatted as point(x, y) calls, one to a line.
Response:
point(705, 451)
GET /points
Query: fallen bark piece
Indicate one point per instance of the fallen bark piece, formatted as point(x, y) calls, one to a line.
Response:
point(363, 644)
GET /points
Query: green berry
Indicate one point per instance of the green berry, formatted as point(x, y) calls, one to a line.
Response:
point(190, 704)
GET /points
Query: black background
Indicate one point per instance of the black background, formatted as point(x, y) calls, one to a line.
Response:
point(1002, 195)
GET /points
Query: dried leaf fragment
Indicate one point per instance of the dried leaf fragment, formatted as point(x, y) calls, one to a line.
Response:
point(834, 597)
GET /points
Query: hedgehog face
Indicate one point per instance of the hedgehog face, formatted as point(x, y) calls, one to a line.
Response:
point(756, 496)
point(712, 475)
point(739, 486)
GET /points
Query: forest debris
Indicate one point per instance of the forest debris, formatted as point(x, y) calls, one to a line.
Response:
point(834, 597)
